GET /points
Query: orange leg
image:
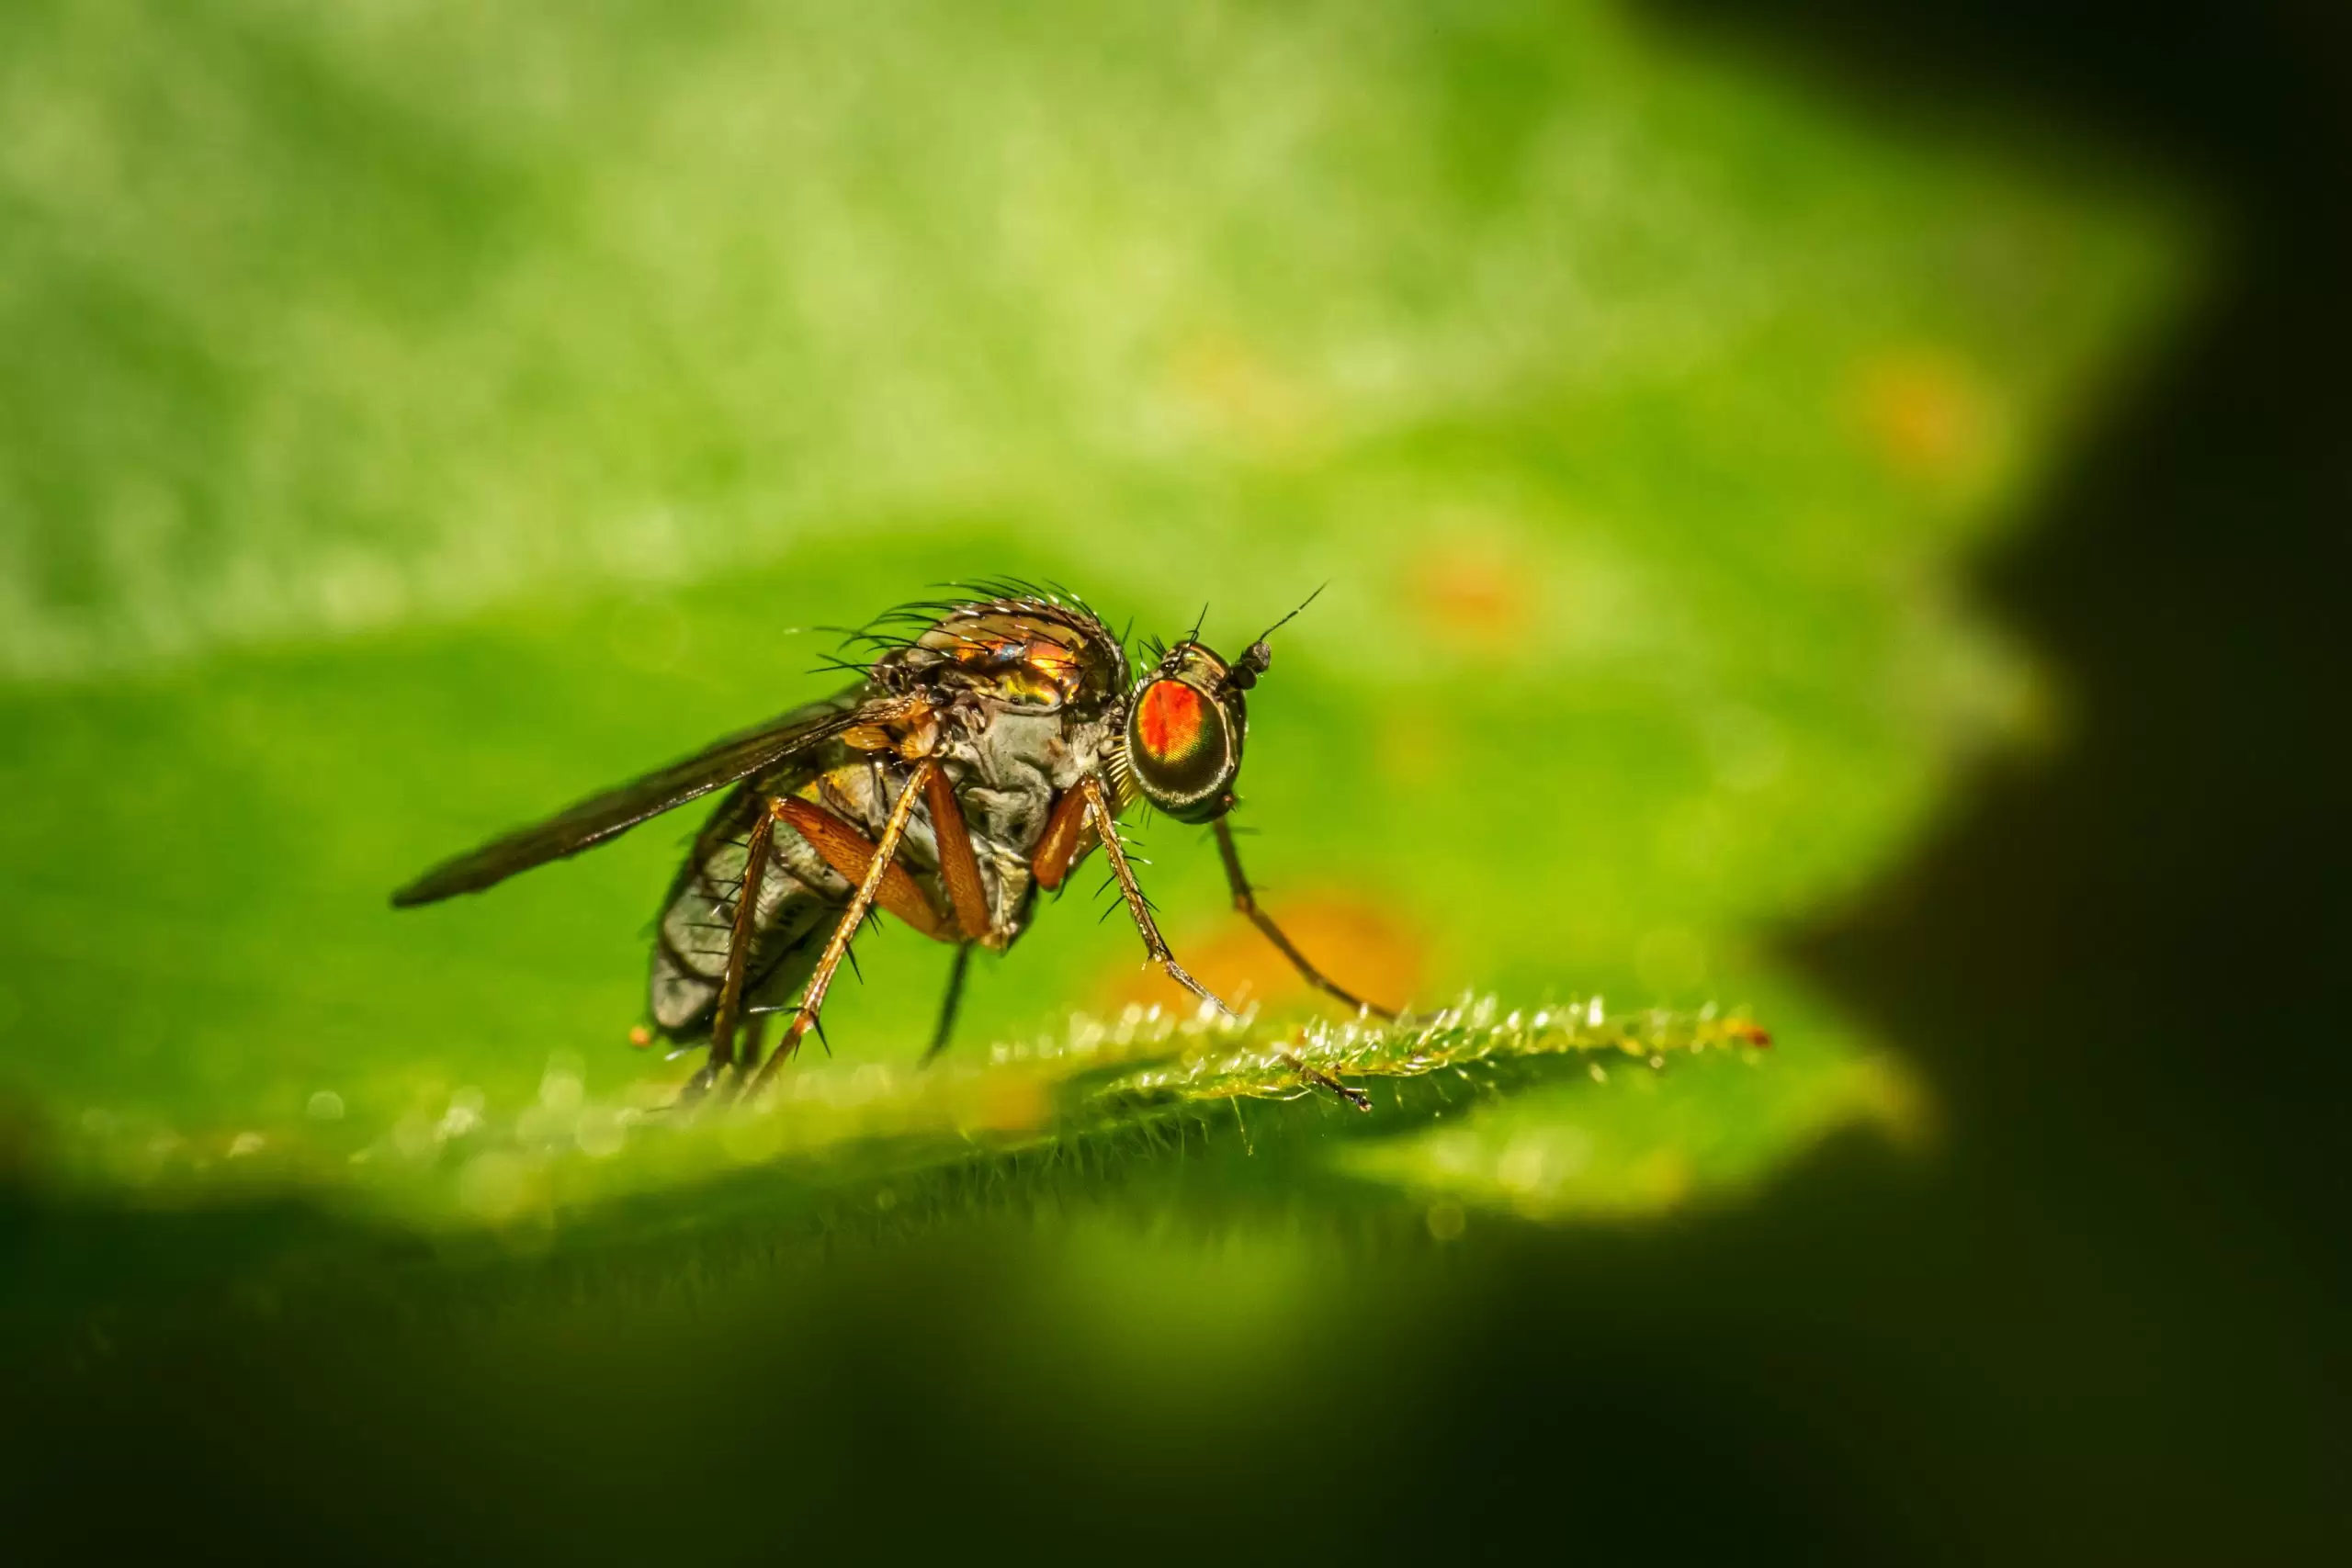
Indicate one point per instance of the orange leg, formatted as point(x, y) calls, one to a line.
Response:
point(1065, 836)
point(851, 854)
point(885, 858)
point(958, 868)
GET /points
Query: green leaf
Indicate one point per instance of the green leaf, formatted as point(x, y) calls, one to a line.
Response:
point(421, 415)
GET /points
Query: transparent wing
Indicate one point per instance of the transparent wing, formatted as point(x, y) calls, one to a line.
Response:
point(614, 812)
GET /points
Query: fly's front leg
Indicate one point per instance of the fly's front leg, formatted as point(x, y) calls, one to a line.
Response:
point(1097, 806)
point(1246, 900)
point(885, 855)
point(1327, 1083)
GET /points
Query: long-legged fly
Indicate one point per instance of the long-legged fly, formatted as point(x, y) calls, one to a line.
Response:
point(989, 746)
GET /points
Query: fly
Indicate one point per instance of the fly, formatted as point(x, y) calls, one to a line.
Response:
point(989, 746)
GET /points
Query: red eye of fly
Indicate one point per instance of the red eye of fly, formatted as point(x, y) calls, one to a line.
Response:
point(1169, 721)
point(1184, 745)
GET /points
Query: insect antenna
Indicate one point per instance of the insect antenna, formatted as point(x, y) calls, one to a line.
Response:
point(1294, 615)
point(1245, 671)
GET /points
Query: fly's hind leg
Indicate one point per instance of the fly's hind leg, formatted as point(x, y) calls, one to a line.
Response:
point(729, 1010)
point(1246, 900)
point(939, 1036)
point(959, 868)
point(813, 1000)
point(754, 1037)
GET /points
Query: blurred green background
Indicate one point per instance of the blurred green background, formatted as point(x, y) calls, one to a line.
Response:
point(420, 416)
point(414, 415)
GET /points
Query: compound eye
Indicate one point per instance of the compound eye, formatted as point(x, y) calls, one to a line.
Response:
point(1180, 747)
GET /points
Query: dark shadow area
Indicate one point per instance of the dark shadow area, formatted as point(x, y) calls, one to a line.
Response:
point(2104, 1324)
point(2126, 969)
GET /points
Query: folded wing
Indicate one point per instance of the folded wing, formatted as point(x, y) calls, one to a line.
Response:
point(614, 812)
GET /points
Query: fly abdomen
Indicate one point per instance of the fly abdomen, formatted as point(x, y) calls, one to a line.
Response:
point(805, 886)
point(799, 897)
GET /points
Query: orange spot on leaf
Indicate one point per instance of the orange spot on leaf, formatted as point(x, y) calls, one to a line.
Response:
point(1925, 415)
point(1479, 593)
point(1012, 1103)
point(1361, 946)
